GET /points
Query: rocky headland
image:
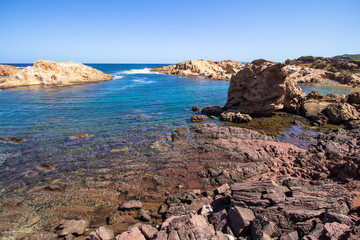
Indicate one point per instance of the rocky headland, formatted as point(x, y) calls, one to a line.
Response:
point(50, 73)
point(304, 69)
point(222, 70)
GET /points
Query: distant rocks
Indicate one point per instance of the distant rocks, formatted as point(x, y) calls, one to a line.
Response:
point(131, 204)
point(51, 73)
point(6, 70)
point(222, 70)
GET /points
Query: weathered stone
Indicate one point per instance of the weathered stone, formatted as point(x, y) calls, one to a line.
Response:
point(102, 233)
point(240, 218)
point(198, 118)
point(6, 70)
point(56, 74)
point(15, 140)
point(196, 108)
point(215, 70)
point(72, 226)
point(290, 236)
point(131, 204)
point(335, 230)
point(132, 234)
point(212, 111)
point(148, 231)
point(180, 134)
point(219, 220)
point(144, 215)
point(261, 88)
point(222, 189)
point(235, 116)
point(341, 112)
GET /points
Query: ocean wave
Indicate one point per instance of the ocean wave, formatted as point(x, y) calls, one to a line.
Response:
point(142, 81)
point(139, 71)
point(118, 77)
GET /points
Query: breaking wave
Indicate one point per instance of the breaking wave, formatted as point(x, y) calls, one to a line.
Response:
point(139, 71)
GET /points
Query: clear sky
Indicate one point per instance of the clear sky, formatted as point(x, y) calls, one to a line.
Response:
point(169, 31)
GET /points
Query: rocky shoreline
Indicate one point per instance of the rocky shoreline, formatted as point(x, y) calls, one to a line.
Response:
point(236, 183)
point(50, 73)
point(304, 69)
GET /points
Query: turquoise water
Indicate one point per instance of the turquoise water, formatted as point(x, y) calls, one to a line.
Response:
point(135, 109)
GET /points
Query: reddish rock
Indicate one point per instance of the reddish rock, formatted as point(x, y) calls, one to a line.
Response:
point(72, 226)
point(341, 112)
point(131, 204)
point(102, 233)
point(132, 234)
point(240, 218)
point(148, 231)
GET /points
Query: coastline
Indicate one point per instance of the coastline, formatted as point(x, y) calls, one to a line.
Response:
point(204, 169)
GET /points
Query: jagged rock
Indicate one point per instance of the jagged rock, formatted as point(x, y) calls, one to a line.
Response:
point(131, 204)
point(236, 117)
point(102, 233)
point(55, 74)
point(187, 227)
point(240, 218)
point(144, 215)
point(261, 88)
point(72, 226)
point(210, 69)
point(341, 112)
point(290, 236)
point(212, 111)
point(219, 220)
point(222, 189)
point(132, 234)
point(181, 133)
point(148, 231)
point(354, 98)
point(198, 118)
point(262, 226)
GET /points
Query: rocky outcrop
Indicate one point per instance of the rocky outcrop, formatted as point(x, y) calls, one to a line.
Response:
point(222, 70)
point(340, 70)
point(263, 87)
point(340, 113)
point(6, 70)
point(235, 117)
point(51, 73)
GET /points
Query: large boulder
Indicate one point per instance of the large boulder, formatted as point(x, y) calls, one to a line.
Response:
point(341, 112)
point(53, 73)
point(215, 70)
point(261, 88)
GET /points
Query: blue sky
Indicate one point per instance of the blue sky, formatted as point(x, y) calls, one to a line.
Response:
point(172, 31)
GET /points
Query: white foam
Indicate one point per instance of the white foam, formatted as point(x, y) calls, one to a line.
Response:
point(118, 77)
point(139, 71)
point(142, 81)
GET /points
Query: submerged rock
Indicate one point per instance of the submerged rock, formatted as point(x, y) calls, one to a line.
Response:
point(198, 118)
point(54, 74)
point(15, 140)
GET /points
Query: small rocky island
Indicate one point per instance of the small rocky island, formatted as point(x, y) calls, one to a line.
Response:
point(215, 70)
point(50, 73)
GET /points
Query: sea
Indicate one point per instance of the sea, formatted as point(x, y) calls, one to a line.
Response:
point(122, 119)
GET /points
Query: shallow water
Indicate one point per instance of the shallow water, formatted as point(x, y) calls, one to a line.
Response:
point(326, 89)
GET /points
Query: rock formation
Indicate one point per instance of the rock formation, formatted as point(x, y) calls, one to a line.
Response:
point(51, 73)
point(6, 70)
point(263, 87)
point(222, 70)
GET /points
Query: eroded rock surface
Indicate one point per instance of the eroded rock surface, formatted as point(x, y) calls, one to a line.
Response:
point(51, 73)
point(214, 70)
